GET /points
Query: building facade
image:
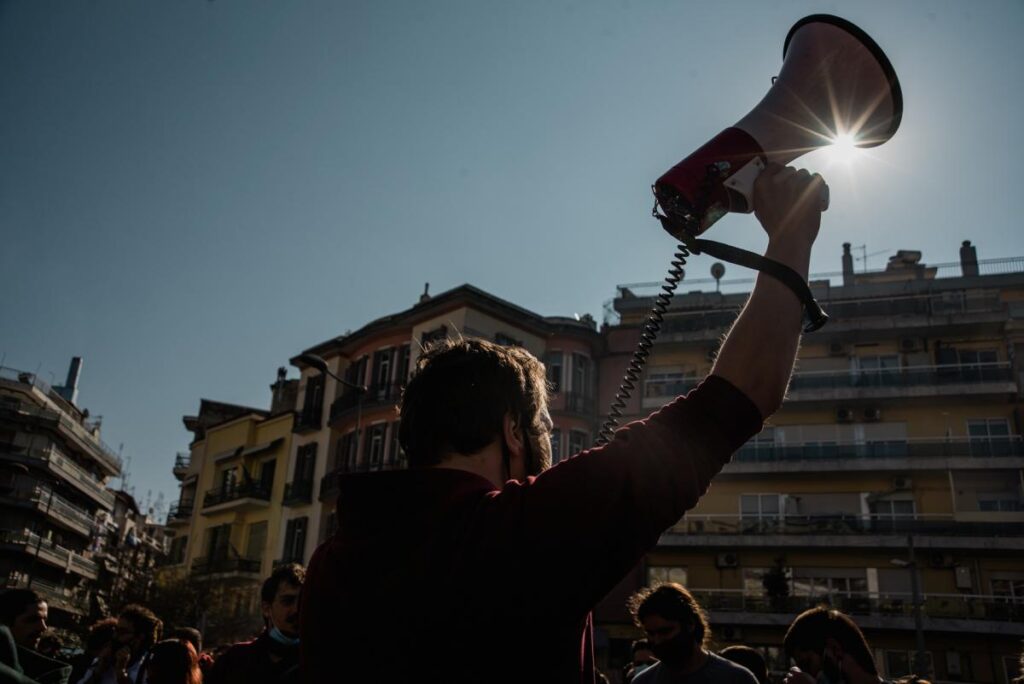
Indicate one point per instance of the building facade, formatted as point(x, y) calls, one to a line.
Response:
point(53, 473)
point(891, 481)
point(227, 520)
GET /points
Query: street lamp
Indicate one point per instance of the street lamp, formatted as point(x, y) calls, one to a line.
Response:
point(921, 668)
point(317, 363)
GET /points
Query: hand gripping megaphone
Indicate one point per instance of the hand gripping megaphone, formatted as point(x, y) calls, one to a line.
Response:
point(835, 82)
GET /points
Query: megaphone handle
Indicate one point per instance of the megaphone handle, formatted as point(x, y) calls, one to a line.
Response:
point(784, 274)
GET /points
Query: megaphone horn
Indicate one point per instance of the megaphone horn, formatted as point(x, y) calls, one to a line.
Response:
point(835, 81)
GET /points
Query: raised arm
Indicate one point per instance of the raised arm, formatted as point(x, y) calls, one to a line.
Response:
point(758, 352)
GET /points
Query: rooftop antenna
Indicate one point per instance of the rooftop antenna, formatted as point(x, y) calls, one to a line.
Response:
point(864, 255)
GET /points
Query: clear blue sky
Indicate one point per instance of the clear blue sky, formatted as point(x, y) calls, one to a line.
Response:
point(191, 192)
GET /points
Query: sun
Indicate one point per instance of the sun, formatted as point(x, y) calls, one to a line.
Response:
point(843, 149)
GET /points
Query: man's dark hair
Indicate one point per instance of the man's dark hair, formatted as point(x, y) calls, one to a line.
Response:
point(189, 634)
point(14, 602)
point(144, 622)
point(672, 602)
point(749, 658)
point(292, 573)
point(460, 393)
point(812, 627)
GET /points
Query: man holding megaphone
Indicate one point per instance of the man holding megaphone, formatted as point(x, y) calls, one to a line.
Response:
point(481, 562)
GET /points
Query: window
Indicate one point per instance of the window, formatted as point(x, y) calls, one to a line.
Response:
point(267, 470)
point(434, 335)
point(295, 540)
point(178, 547)
point(581, 375)
point(348, 454)
point(396, 456)
point(375, 445)
point(999, 501)
point(669, 384)
point(761, 506)
point(217, 542)
point(877, 370)
point(989, 437)
point(577, 441)
point(228, 479)
point(553, 363)
point(403, 365)
point(556, 446)
point(305, 462)
point(381, 379)
point(901, 663)
point(958, 666)
point(507, 340)
point(313, 404)
point(899, 508)
point(826, 583)
point(659, 574)
point(257, 540)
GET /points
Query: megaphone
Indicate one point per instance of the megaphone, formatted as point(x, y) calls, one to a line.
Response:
point(835, 82)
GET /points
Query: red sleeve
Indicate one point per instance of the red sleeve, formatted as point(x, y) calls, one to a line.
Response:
point(579, 527)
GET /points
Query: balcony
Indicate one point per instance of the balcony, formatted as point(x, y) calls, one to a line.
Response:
point(309, 420)
point(236, 496)
point(949, 379)
point(181, 464)
point(180, 511)
point(224, 568)
point(68, 600)
point(843, 530)
point(60, 510)
point(941, 612)
point(375, 396)
point(298, 493)
point(49, 552)
point(56, 463)
point(921, 454)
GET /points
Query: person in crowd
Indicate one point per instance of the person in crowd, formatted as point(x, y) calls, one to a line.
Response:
point(480, 538)
point(273, 656)
point(194, 637)
point(827, 645)
point(122, 663)
point(678, 630)
point(98, 640)
point(173, 661)
point(642, 657)
point(749, 658)
point(50, 644)
point(24, 613)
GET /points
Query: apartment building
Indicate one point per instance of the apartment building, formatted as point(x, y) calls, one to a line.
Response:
point(53, 473)
point(891, 482)
point(340, 430)
point(227, 520)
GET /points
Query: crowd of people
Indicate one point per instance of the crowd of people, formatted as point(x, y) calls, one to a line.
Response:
point(133, 647)
point(481, 562)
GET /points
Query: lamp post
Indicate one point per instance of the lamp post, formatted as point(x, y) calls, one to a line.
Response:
point(921, 668)
point(317, 363)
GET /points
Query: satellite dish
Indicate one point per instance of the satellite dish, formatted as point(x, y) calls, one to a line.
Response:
point(717, 271)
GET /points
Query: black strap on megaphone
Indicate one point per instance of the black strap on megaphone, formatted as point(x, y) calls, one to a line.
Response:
point(815, 316)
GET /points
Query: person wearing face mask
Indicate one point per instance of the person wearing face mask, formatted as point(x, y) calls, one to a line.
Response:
point(678, 632)
point(273, 656)
point(828, 648)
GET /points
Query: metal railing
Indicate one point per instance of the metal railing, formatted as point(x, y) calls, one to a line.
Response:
point(247, 490)
point(953, 447)
point(69, 471)
point(59, 508)
point(308, 419)
point(57, 553)
point(935, 606)
point(298, 492)
point(906, 376)
point(182, 461)
point(207, 566)
point(843, 524)
point(62, 597)
point(182, 510)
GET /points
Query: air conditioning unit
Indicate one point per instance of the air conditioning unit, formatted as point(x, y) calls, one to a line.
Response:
point(727, 560)
point(938, 559)
point(838, 349)
point(911, 344)
point(872, 415)
point(902, 483)
point(731, 633)
point(845, 415)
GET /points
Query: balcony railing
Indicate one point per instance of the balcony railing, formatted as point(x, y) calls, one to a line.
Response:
point(47, 549)
point(181, 510)
point(960, 447)
point(181, 463)
point(60, 509)
point(298, 492)
point(375, 395)
point(72, 601)
point(308, 419)
point(249, 490)
point(907, 376)
point(935, 606)
point(843, 524)
point(69, 471)
point(210, 566)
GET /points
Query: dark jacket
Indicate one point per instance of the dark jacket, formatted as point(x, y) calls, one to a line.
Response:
point(435, 575)
point(253, 662)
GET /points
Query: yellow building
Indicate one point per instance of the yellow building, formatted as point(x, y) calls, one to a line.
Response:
point(227, 521)
point(898, 451)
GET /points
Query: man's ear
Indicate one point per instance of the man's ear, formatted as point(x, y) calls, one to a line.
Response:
point(512, 432)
